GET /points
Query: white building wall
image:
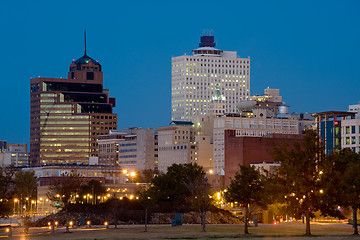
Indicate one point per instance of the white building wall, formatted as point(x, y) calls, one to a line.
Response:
point(174, 146)
point(350, 134)
point(194, 79)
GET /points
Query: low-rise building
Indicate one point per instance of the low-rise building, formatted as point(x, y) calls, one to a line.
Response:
point(13, 154)
point(245, 150)
point(175, 144)
point(339, 129)
point(132, 149)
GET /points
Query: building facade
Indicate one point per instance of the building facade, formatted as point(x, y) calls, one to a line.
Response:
point(132, 149)
point(194, 80)
point(259, 116)
point(245, 150)
point(175, 144)
point(13, 154)
point(67, 115)
point(338, 129)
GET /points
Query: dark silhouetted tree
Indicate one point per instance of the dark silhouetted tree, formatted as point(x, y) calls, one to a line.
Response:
point(6, 193)
point(246, 188)
point(300, 170)
point(341, 178)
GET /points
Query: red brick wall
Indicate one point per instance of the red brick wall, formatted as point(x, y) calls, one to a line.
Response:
point(247, 150)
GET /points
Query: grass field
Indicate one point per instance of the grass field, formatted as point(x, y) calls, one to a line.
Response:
point(283, 231)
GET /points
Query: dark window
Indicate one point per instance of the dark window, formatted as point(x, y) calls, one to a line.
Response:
point(72, 75)
point(90, 76)
point(352, 129)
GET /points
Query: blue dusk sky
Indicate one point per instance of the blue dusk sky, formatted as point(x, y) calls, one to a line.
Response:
point(308, 49)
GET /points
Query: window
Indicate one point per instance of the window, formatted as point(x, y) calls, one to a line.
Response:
point(352, 129)
point(347, 130)
point(347, 140)
point(89, 76)
point(353, 140)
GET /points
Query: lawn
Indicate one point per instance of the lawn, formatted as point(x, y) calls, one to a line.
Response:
point(136, 232)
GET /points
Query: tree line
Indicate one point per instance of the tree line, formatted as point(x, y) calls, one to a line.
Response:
point(307, 181)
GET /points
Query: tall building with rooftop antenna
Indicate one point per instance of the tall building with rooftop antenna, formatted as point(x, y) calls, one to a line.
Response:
point(67, 115)
point(194, 80)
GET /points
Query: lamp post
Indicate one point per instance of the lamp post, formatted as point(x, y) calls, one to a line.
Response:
point(15, 201)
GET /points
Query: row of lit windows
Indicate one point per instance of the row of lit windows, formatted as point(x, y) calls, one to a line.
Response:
point(57, 106)
point(64, 139)
point(221, 60)
point(66, 133)
point(65, 122)
point(65, 150)
point(353, 140)
point(48, 95)
point(70, 117)
point(64, 145)
point(47, 100)
point(64, 155)
point(65, 128)
point(353, 129)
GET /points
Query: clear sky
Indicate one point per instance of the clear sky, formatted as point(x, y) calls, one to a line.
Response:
point(308, 49)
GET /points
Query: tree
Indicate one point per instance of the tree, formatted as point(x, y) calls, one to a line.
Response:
point(246, 188)
point(199, 189)
point(300, 170)
point(184, 187)
point(94, 188)
point(6, 175)
point(26, 188)
point(63, 190)
point(146, 200)
point(341, 177)
point(147, 175)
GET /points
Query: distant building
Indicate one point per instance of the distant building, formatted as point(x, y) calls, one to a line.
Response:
point(132, 149)
point(267, 167)
point(260, 116)
point(175, 144)
point(339, 129)
point(13, 154)
point(196, 78)
point(245, 150)
point(67, 115)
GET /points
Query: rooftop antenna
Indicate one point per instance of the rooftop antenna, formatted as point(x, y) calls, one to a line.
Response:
point(85, 42)
point(207, 32)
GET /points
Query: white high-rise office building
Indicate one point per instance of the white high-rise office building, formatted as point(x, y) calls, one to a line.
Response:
point(195, 77)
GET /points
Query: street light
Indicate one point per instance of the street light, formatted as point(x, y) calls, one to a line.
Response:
point(15, 201)
point(132, 174)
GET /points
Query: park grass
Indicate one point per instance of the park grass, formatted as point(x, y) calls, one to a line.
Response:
point(136, 232)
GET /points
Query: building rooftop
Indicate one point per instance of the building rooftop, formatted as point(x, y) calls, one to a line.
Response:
point(181, 123)
point(334, 113)
point(85, 59)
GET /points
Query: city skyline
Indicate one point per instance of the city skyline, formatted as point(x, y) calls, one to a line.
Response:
point(309, 52)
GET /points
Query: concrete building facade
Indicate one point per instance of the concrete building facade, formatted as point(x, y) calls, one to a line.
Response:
point(13, 154)
point(175, 144)
point(194, 80)
point(132, 149)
